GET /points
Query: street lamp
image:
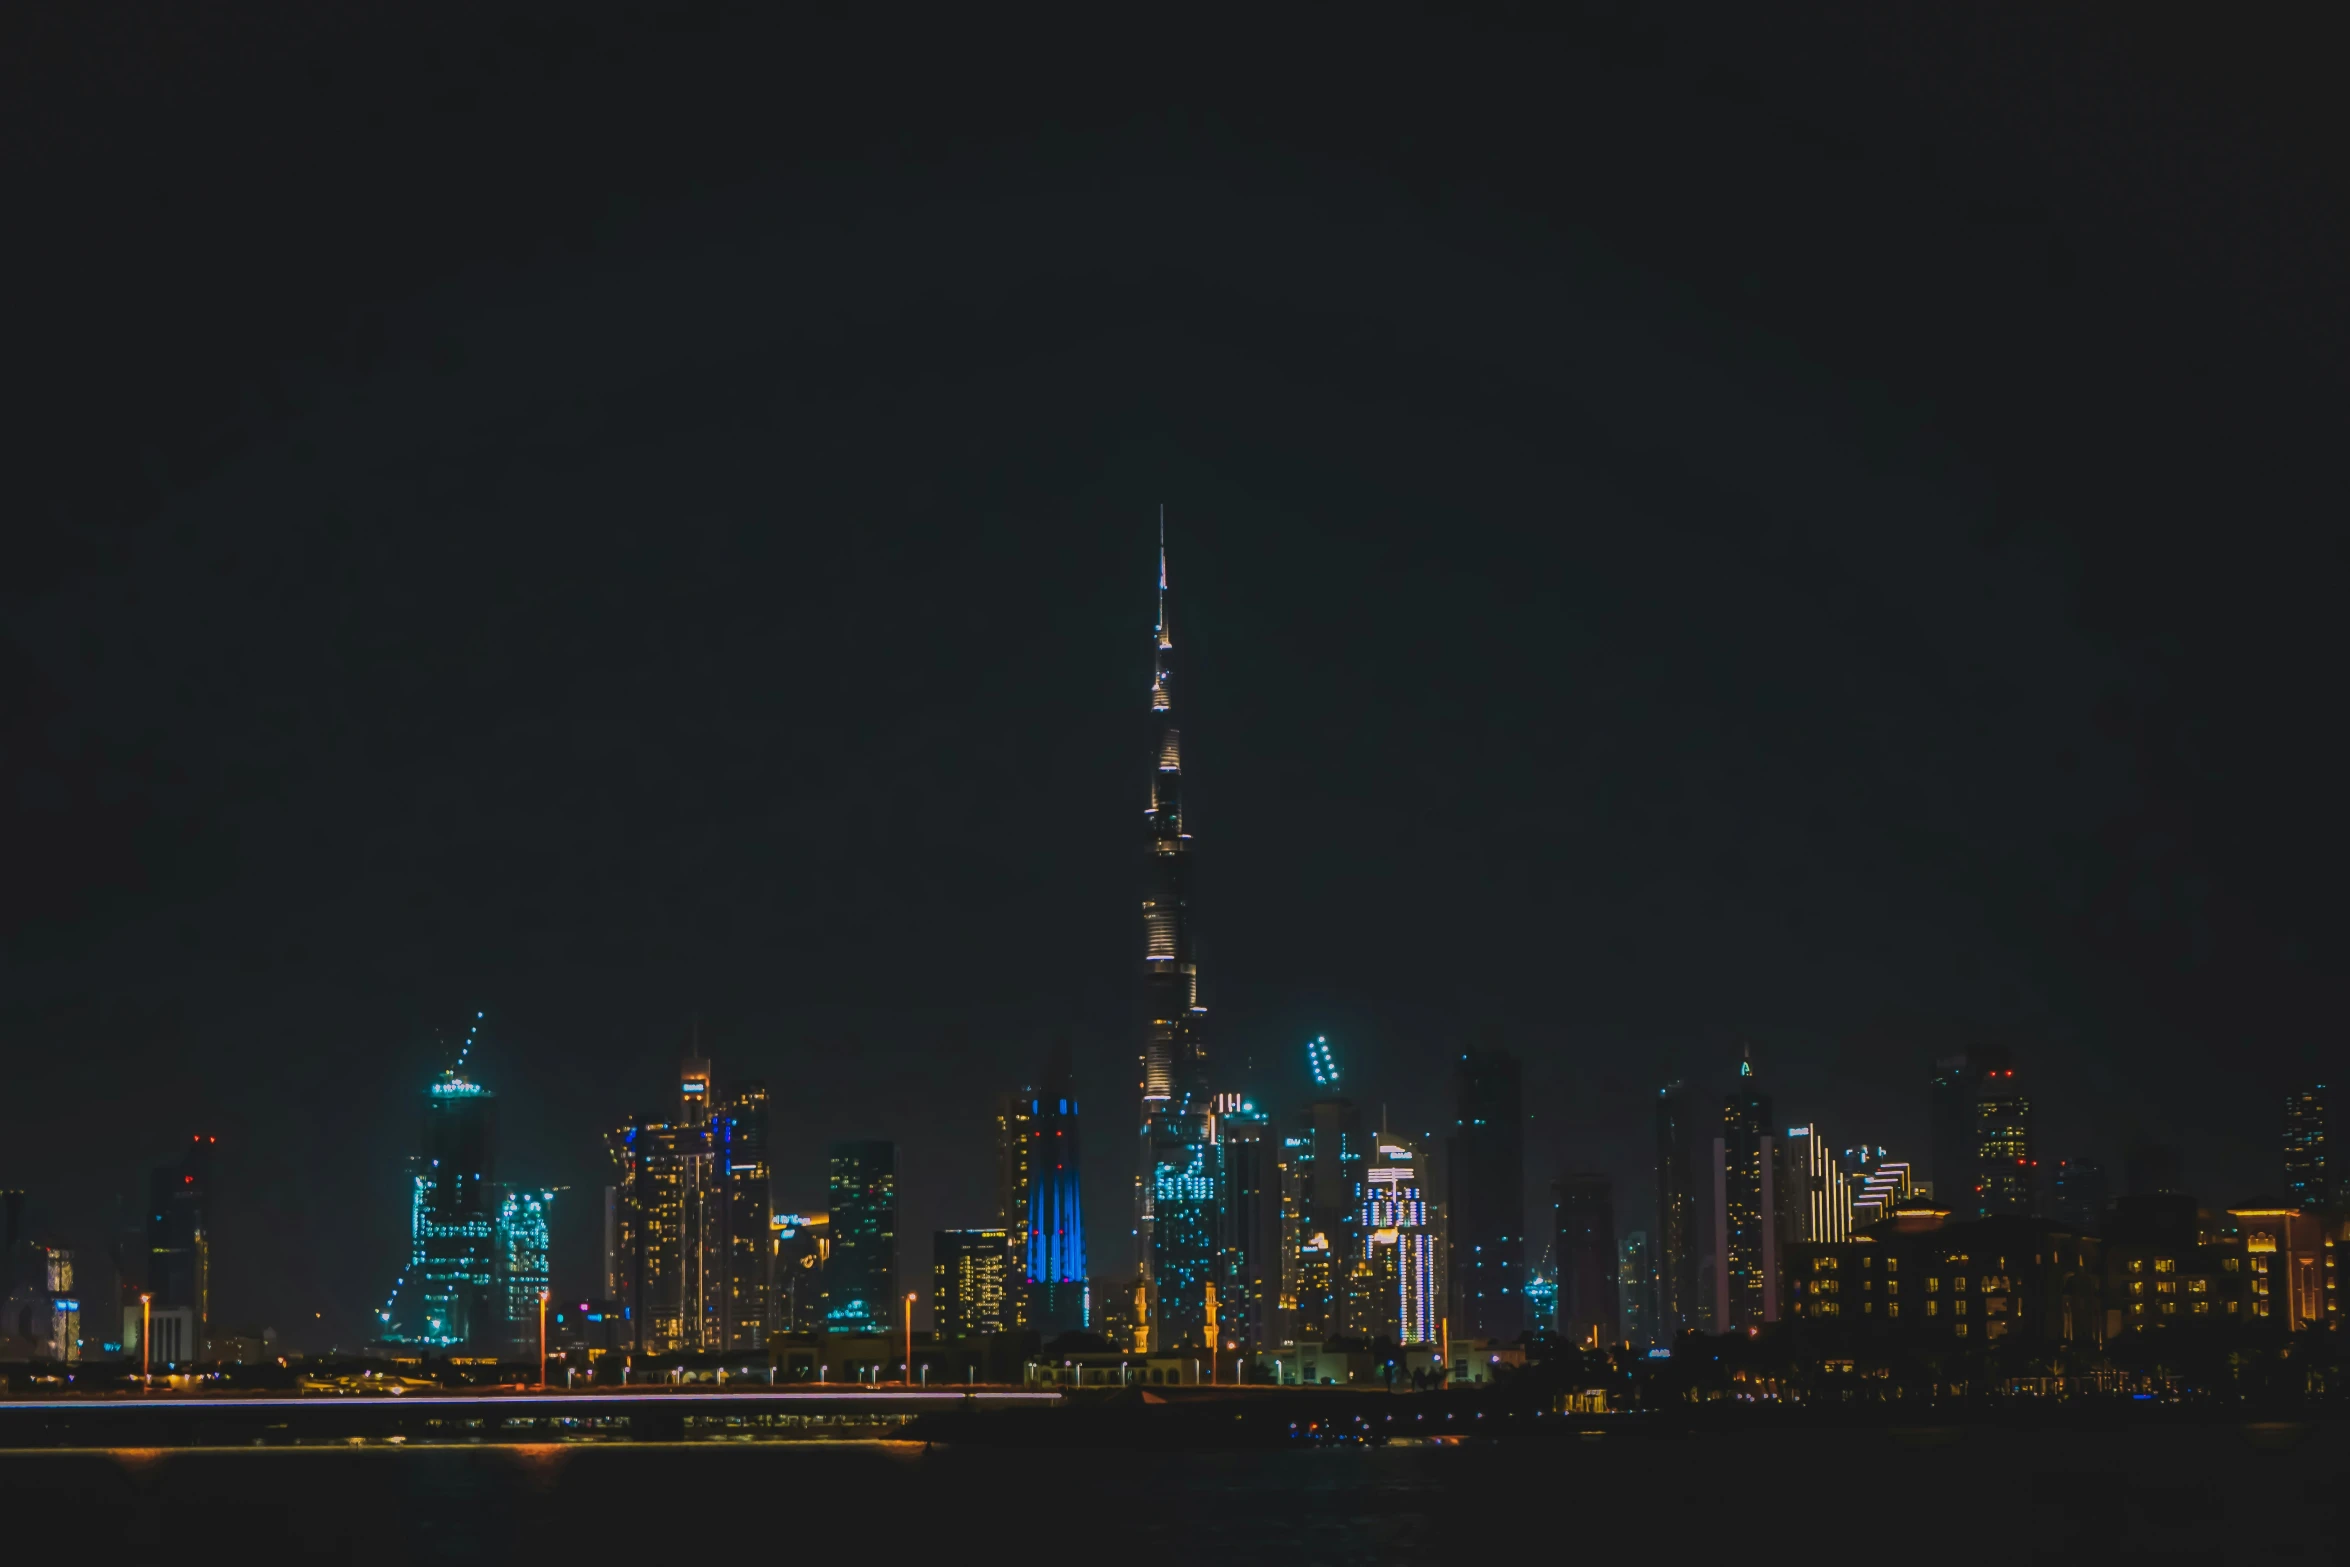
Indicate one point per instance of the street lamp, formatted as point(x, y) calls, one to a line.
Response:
point(146, 1341)
point(542, 1341)
point(909, 1338)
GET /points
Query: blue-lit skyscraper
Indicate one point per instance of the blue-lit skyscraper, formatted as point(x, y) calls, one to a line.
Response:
point(447, 1296)
point(1054, 1265)
point(861, 1275)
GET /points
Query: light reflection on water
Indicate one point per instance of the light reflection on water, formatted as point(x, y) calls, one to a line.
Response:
point(2201, 1489)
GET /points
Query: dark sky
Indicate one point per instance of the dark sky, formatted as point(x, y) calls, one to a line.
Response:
point(1686, 532)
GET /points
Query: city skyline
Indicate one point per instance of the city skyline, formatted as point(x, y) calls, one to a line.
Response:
point(1712, 534)
point(687, 1247)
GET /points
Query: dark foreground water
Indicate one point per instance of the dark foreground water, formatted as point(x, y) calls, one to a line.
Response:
point(1977, 1495)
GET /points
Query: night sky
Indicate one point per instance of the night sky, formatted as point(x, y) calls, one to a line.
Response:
point(1685, 534)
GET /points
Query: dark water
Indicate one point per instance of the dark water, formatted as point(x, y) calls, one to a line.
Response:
point(1975, 1495)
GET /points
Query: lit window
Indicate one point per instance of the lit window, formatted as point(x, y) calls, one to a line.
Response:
point(2167, 1287)
point(1892, 1264)
point(2137, 1286)
point(1960, 1330)
point(1892, 1286)
point(1893, 1308)
point(1933, 1308)
point(2199, 1286)
point(2202, 1308)
point(1932, 1284)
point(2170, 1308)
point(2165, 1265)
point(1958, 1307)
point(2137, 1265)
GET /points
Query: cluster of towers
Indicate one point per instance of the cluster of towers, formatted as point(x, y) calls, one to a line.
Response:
point(478, 1266)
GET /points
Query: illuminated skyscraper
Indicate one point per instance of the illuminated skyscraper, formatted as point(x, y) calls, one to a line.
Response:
point(738, 1143)
point(1051, 1276)
point(1820, 1198)
point(970, 1270)
point(1013, 1139)
point(179, 1238)
point(2308, 1181)
point(1749, 1177)
point(802, 1242)
point(691, 1246)
point(1250, 1318)
point(1681, 1303)
point(1322, 1197)
point(1485, 1205)
point(1584, 1217)
point(2008, 1175)
point(1960, 1081)
point(1186, 1254)
point(1174, 1084)
point(861, 1274)
point(1636, 1290)
point(446, 1298)
point(523, 1268)
point(1399, 1296)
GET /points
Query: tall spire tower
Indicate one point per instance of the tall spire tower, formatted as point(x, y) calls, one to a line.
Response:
point(1170, 1043)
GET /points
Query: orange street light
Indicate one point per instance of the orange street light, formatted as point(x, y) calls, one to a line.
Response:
point(542, 1339)
point(909, 1339)
point(146, 1341)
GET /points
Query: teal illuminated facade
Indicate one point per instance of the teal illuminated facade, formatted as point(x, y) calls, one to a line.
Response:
point(523, 1272)
point(861, 1275)
point(447, 1298)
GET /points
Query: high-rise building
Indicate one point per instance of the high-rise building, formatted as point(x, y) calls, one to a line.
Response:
point(1397, 1294)
point(2308, 1181)
point(1175, 1137)
point(1250, 1318)
point(1485, 1197)
point(2008, 1177)
point(1955, 1134)
point(1878, 1184)
point(1583, 1209)
point(1322, 1206)
point(1636, 1290)
point(1681, 1300)
point(179, 1241)
point(689, 1238)
point(1051, 1276)
point(447, 1297)
point(1187, 1230)
point(970, 1271)
point(1013, 1149)
point(2077, 1195)
point(1749, 1178)
point(861, 1274)
point(523, 1272)
point(1819, 1198)
point(738, 1145)
point(702, 1199)
point(802, 1243)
